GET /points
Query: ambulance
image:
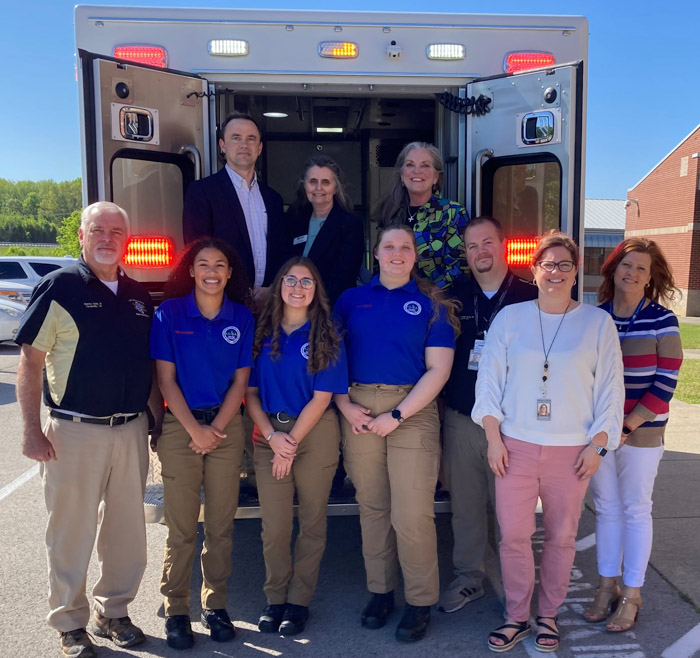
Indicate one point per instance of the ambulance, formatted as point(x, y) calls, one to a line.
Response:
point(502, 96)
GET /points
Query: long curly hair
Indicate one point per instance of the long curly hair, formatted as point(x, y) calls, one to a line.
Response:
point(301, 204)
point(324, 339)
point(661, 286)
point(181, 283)
point(396, 202)
point(438, 300)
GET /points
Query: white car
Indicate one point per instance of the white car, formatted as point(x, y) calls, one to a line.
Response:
point(10, 315)
point(15, 292)
point(29, 269)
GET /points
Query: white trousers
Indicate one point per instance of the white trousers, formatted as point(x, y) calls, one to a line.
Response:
point(622, 490)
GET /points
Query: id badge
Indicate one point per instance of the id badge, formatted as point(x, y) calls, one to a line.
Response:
point(300, 239)
point(475, 355)
point(544, 409)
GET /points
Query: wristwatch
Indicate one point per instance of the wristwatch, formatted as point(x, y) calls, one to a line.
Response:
point(396, 415)
point(626, 430)
point(601, 451)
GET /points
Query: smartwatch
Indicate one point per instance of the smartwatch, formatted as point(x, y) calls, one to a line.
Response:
point(396, 415)
point(626, 430)
point(601, 451)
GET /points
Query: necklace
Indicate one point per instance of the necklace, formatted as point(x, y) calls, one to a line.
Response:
point(630, 321)
point(412, 215)
point(545, 372)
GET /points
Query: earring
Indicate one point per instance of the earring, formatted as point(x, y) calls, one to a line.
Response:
point(574, 283)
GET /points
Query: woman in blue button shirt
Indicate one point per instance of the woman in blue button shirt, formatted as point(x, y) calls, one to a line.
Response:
point(299, 365)
point(201, 340)
point(400, 335)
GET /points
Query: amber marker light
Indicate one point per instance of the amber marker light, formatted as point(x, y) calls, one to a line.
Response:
point(149, 251)
point(338, 49)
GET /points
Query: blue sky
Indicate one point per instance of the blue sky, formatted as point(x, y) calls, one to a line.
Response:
point(643, 81)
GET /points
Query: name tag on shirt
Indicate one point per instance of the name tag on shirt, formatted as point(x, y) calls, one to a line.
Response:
point(475, 354)
point(300, 239)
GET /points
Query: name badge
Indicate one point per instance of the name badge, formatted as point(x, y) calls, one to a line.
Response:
point(300, 239)
point(544, 409)
point(475, 354)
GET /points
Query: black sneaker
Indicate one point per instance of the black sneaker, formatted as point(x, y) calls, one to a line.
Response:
point(178, 632)
point(377, 610)
point(271, 618)
point(294, 619)
point(77, 644)
point(414, 623)
point(219, 625)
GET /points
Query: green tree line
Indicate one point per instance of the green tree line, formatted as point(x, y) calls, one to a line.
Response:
point(35, 211)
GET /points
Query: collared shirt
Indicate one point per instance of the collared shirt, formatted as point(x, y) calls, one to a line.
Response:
point(315, 226)
point(387, 331)
point(459, 390)
point(96, 342)
point(284, 382)
point(255, 218)
point(206, 353)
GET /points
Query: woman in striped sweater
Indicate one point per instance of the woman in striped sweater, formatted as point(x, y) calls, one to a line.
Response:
point(636, 277)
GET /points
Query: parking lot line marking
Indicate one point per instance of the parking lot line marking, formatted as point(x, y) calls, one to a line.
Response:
point(634, 654)
point(269, 652)
point(686, 646)
point(585, 542)
point(606, 647)
point(18, 482)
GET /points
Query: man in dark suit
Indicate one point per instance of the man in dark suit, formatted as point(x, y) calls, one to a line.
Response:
point(237, 207)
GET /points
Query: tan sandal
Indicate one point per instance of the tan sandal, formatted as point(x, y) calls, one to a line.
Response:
point(625, 617)
point(607, 597)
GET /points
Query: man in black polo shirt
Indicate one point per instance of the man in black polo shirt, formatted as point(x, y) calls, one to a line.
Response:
point(87, 328)
point(490, 287)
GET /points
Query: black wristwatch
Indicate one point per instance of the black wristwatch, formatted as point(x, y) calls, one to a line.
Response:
point(626, 430)
point(396, 415)
point(601, 451)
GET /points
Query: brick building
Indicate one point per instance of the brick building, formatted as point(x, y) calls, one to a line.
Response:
point(604, 229)
point(665, 207)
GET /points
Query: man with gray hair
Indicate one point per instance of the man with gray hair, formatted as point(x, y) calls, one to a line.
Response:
point(87, 328)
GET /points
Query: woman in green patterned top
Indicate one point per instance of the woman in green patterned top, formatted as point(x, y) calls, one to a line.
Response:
point(437, 223)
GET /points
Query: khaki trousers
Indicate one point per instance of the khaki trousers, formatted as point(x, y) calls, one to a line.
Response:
point(471, 485)
point(311, 476)
point(184, 474)
point(97, 480)
point(395, 478)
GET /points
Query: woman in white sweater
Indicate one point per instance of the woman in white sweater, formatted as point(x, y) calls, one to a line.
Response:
point(549, 395)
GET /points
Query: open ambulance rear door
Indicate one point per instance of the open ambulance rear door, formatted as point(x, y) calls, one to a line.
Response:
point(525, 155)
point(146, 137)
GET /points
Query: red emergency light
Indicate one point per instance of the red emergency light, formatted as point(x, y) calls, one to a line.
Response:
point(525, 61)
point(151, 55)
point(519, 251)
point(149, 251)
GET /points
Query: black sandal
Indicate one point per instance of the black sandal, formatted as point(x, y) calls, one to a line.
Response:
point(523, 630)
point(554, 635)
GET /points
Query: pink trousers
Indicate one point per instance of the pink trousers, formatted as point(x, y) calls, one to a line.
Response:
point(547, 472)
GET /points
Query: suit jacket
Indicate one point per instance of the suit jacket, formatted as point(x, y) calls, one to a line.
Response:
point(212, 209)
point(337, 250)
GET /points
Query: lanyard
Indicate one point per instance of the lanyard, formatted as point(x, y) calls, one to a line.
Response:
point(630, 322)
point(497, 308)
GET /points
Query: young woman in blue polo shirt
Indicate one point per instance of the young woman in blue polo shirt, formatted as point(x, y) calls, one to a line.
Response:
point(299, 365)
point(201, 339)
point(400, 336)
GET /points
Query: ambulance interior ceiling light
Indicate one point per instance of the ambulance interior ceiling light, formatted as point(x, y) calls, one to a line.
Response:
point(149, 251)
point(275, 115)
point(338, 49)
point(519, 251)
point(228, 47)
point(446, 51)
point(526, 61)
point(150, 55)
point(321, 129)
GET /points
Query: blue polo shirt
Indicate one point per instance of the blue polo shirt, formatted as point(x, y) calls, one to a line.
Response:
point(285, 384)
point(206, 353)
point(387, 331)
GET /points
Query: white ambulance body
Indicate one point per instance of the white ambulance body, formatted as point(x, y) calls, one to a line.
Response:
point(155, 83)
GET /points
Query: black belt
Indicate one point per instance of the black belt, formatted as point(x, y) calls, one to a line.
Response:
point(203, 415)
point(110, 420)
point(282, 417)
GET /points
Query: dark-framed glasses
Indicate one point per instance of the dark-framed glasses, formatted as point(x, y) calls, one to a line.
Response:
point(550, 265)
point(291, 281)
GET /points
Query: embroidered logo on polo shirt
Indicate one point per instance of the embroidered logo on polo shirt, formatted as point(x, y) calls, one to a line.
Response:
point(305, 351)
point(231, 335)
point(412, 308)
point(140, 308)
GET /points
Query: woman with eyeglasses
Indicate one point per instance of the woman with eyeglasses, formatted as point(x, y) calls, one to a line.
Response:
point(437, 223)
point(201, 341)
point(400, 336)
point(636, 279)
point(299, 364)
point(564, 357)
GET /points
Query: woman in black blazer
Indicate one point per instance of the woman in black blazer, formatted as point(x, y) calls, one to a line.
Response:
point(322, 227)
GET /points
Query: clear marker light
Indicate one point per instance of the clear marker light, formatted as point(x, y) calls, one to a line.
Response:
point(338, 49)
point(446, 51)
point(228, 47)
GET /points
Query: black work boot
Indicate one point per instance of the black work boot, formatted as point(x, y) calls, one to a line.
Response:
point(377, 610)
point(414, 623)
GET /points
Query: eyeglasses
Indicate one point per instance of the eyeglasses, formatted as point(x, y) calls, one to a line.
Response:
point(291, 282)
point(550, 265)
